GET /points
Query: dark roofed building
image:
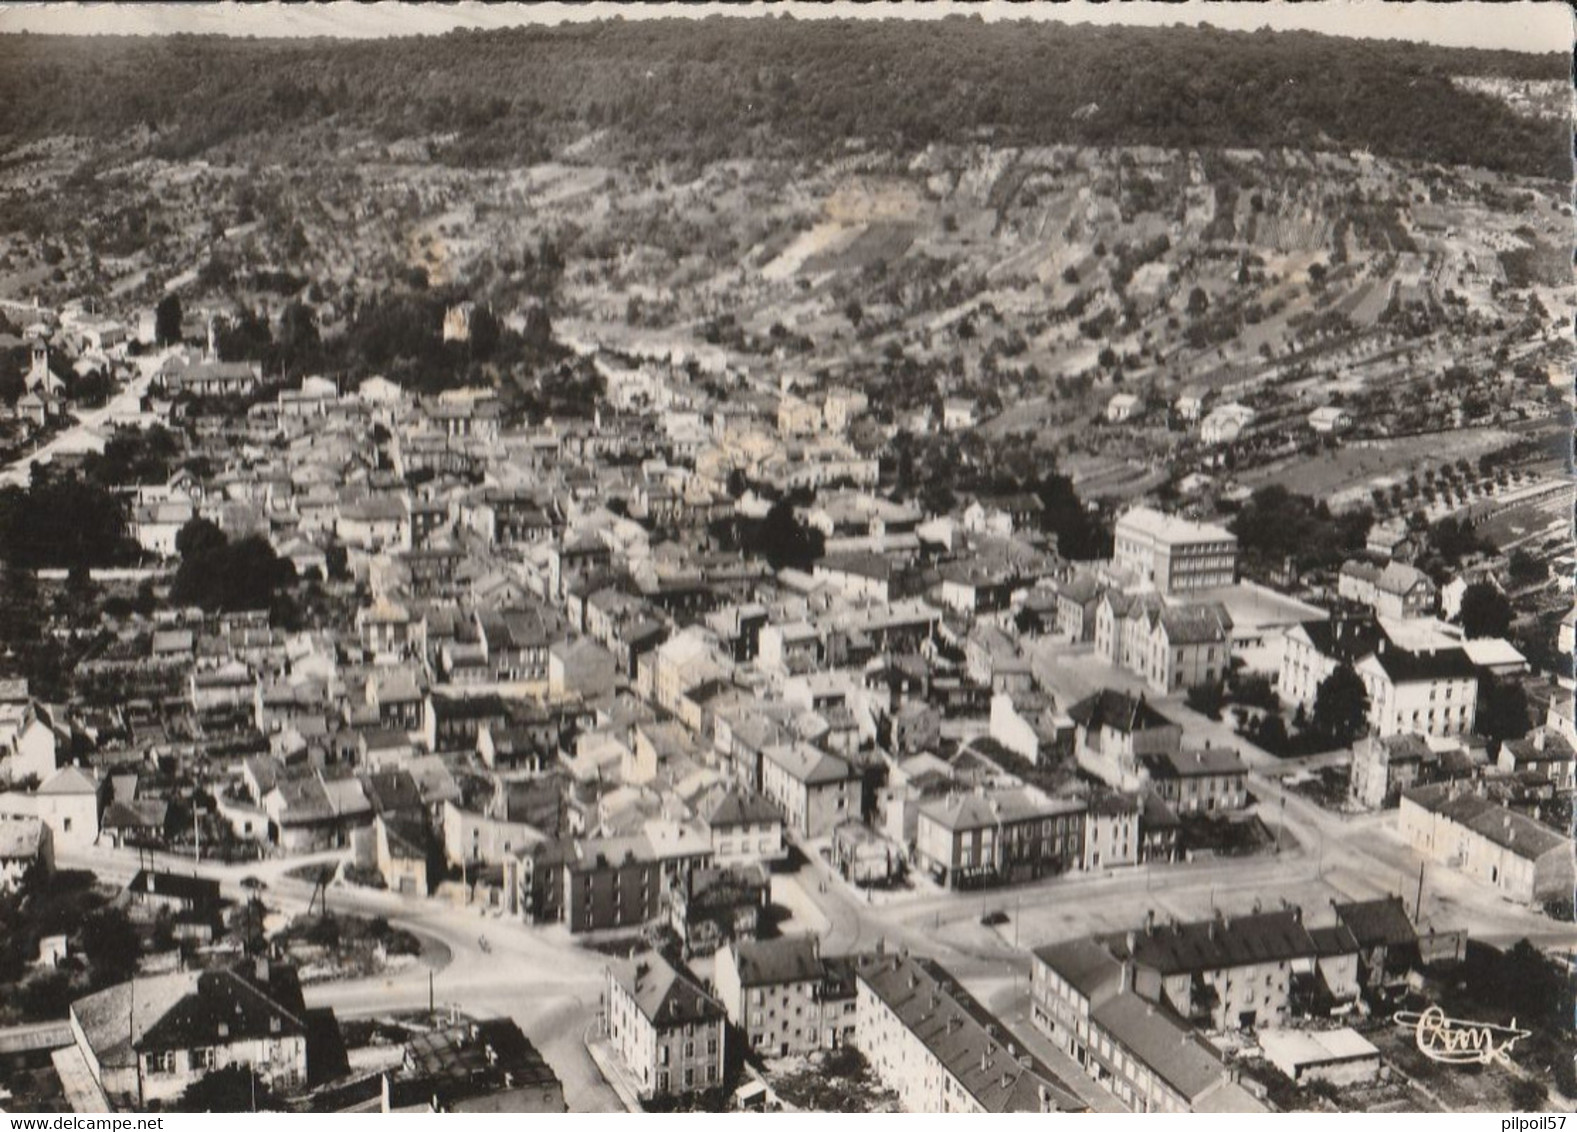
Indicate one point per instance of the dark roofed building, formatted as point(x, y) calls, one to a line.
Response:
point(939, 1049)
point(667, 1030)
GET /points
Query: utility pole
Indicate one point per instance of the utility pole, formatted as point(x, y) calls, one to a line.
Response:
point(429, 992)
point(1418, 902)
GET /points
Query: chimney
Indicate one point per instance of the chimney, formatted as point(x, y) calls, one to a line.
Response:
point(260, 968)
point(1149, 921)
point(1297, 914)
point(1538, 739)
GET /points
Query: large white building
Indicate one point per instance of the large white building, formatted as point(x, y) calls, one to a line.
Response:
point(1175, 554)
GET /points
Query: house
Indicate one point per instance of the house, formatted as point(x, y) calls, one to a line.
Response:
point(1544, 753)
point(68, 802)
point(1115, 728)
point(27, 740)
point(401, 845)
point(1394, 590)
point(1111, 832)
point(1077, 600)
point(669, 1033)
point(744, 828)
point(1392, 539)
point(476, 1066)
point(814, 790)
point(1382, 767)
point(1525, 859)
point(940, 1050)
point(710, 906)
point(783, 996)
point(1223, 973)
point(1082, 997)
point(1225, 423)
point(1202, 780)
point(149, 1039)
point(1386, 940)
point(26, 845)
point(1330, 420)
point(1174, 555)
point(1190, 404)
point(957, 413)
point(1123, 407)
point(1009, 835)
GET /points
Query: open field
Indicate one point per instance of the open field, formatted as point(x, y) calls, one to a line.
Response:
point(1377, 463)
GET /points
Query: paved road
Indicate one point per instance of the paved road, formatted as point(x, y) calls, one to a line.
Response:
point(535, 975)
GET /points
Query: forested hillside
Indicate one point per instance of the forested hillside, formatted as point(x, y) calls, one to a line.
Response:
point(723, 87)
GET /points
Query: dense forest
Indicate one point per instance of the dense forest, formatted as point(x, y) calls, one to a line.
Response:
point(702, 90)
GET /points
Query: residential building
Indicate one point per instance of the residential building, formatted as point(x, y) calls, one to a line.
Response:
point(611, 882)
point(1394, 590)
point(934, 1045)
point(1111, 832)
point(1082, 996)
point(148, 1040)
point(1009, 835)
point(668, 1031)
point(745, 828)
point(814, 790)
point(1201, 780)
point(784, 997)
point(1525, 859)
point(1431, 693)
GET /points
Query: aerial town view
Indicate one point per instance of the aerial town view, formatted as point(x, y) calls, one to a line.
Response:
point(783, 562)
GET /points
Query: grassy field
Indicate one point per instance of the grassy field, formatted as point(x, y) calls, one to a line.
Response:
point(1377, 463)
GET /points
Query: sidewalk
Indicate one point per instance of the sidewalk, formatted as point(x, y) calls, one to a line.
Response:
point(613, 1070)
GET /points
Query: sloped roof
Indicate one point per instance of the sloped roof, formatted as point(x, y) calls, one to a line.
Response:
point(741, 807)
point(956, 1030)
point(70, 780)
point(1114, 709)
point(664, 996)
point(189, 1009)
point(769, 962)
point(1211, 945)
point(1377, 922)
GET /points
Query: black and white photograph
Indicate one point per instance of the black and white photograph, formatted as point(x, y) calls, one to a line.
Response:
point(804, 558)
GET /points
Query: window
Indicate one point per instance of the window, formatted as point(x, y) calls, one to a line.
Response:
point(689, 1078)
point(711, 1047)
point(202, 1058)
point(662, 1055)
point(161, 1062)
point(689, 1047)
point(662, 1082)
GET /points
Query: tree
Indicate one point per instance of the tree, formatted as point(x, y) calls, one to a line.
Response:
point(1341, 707)
point(784, 542)
point(1502, 712)
point(111, 945)
point(854, 312)
point(217, 574)
point(1486, 612)
point(167, 319)
point(1526, 569)
point(235, 1088)
point(199, 537)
